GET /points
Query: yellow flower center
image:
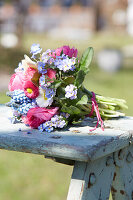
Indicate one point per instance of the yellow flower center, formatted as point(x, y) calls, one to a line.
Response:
point(45, 98)
point(29, 90)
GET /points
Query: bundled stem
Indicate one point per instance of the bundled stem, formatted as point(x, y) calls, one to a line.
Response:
point(108, 107)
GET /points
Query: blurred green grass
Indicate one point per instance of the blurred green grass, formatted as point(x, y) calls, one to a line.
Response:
point(31, 177)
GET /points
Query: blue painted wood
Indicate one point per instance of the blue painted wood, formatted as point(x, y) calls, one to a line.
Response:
point(91, 181)
point(122, 185)
point(74, 143)
point(95, 180)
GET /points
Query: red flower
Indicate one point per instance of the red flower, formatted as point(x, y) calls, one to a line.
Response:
point(30, 89)
point(16, 81)
point(37, 116)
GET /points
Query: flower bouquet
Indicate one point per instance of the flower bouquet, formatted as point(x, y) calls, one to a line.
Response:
point(47, 90)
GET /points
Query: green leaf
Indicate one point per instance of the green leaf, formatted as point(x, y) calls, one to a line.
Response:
point(56, 84)
point(83, 100)
point(69, 79)
point(72, 110)
point(86, 59)
point(79, 78)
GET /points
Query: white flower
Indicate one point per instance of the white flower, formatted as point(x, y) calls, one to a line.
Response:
point(71, 91)
point(42, 100)
point(25, 63)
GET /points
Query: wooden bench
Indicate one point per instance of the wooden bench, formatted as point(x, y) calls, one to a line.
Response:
point(103, 160)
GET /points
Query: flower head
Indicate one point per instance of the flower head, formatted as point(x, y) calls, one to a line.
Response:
point(51, 73)
point(67, 51)
point(58, 121)
point(37, 116)
point(46, 56)
point(30, 90)
point(49, 129)
point(65, 63)
point(40, 128)
point(16, 81)
point(61, 124)
point(42, 81)
point(41, 68)
point(49, 93)
point(29, 73)
point(43, 100)
point(71, 91)
point(35, 49)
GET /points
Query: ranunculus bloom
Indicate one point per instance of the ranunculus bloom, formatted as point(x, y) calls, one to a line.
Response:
point(51, 73)
point(32, 74)
point(30, 89)
point(37, 116)
point(16, 81)
point(67, 51)
point(29, 73)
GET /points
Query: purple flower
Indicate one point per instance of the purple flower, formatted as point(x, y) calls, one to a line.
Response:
point(66, 115)
point(61, 123)
point(54, 119)
point(41, 68)
point(46, 56)
point(35, 49)
point(49, 129)
point(64, 63)
point(41, 128)
point(49, 93)
point(73, 68)
point(47, 126)
point(71, 91)
point(50, 61)
point(42, 81)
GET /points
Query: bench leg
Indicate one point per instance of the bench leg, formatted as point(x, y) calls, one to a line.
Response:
point(92, 180)
point(122, 186)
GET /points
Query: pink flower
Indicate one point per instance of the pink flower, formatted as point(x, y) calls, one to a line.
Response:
point(37, 116)
point(16, 81)
point(30, 89)
point(29, 73)
point(51, 73)
point(67, 51)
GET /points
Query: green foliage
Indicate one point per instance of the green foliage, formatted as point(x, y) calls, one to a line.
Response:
point(84, 66)
point(79, 78)
point(56, 84)
point(86, 60)
point(72, 110)
point(83, 100)
point(69, 80)
point(60, 93)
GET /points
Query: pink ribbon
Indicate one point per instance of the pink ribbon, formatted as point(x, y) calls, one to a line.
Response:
point(95, 107)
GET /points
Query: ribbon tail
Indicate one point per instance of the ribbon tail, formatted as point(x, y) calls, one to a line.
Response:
point(95, 107)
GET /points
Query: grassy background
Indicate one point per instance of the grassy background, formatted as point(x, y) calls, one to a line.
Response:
point(31, 177)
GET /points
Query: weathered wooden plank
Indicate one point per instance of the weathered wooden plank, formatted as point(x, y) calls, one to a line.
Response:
point(74, 143)
point(122, 186)
point(92, 181)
